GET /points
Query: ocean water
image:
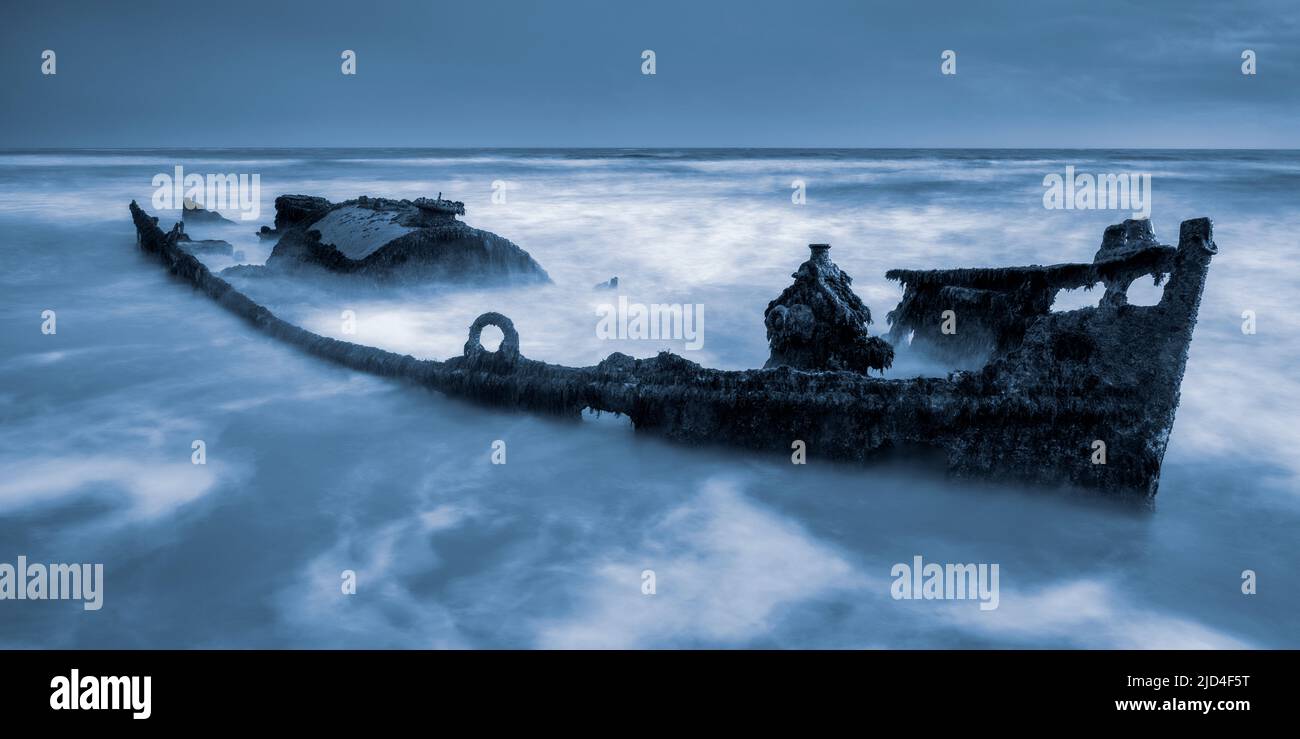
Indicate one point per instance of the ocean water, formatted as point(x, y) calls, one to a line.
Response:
point(313, 470)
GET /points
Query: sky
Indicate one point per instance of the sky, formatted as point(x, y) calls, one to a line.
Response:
point(568, 73)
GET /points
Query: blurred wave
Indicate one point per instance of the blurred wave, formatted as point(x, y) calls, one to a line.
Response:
point(312, 470)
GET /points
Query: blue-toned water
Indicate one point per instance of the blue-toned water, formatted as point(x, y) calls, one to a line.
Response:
point(312, 469)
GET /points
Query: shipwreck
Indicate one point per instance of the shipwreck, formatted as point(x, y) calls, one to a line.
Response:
point(1051, 391)
point(389, 241)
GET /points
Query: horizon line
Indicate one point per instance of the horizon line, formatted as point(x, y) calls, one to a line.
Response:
point(651, 148)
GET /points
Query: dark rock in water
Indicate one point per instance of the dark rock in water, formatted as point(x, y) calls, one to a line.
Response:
point(210, 246)
point(610, 284)
point(397, 240)
point(202, 246)
point(819, 323)
point(247, 270)
point(194, 212)
point(295, 210)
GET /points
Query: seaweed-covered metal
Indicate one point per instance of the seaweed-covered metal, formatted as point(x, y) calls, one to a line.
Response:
point(819, 323)
point(992, 308)
point(1055, 385)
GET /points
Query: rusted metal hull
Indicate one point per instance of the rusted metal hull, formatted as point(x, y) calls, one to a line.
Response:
point(1052, 389)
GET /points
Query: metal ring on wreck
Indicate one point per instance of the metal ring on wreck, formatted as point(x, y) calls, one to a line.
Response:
point(509, 348)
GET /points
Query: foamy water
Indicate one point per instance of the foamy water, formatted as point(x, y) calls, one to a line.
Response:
point(312, 470)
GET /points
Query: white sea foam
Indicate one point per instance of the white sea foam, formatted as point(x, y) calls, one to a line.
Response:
point(312, 469)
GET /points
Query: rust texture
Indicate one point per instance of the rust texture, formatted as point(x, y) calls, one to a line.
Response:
point(1051, 385)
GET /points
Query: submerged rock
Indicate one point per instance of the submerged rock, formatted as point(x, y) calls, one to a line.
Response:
point(203, 246)
point(610, 284)
point(400, 240)
point(295, 210)
point(819, 323)
point(194, 212)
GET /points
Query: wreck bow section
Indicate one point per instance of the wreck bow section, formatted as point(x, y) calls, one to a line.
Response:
point(1085, 397)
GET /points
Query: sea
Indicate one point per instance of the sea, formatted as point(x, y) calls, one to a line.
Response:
point(334, 509)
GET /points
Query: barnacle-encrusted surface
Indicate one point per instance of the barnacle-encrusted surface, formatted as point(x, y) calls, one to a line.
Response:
point(1054, 384)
